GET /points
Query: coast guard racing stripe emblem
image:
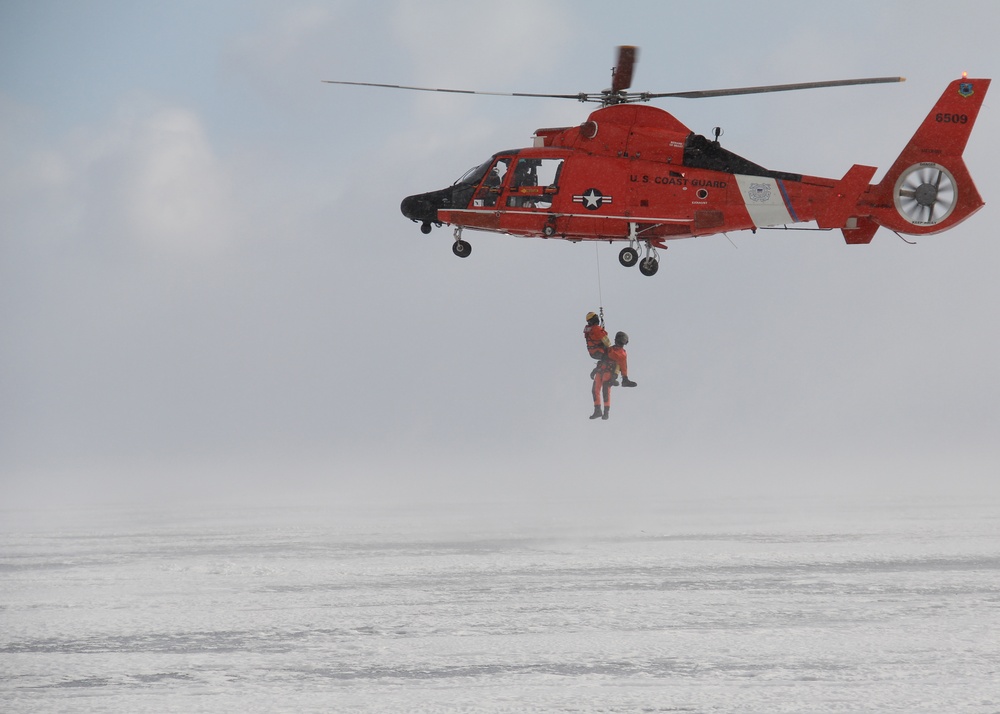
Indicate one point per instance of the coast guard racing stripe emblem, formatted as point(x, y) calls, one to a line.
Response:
point(592, 199)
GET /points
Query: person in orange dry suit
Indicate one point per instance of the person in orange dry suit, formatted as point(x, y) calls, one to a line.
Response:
point(606, 374)
point(596, 336)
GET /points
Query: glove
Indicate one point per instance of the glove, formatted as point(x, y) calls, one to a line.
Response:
point(626, 382)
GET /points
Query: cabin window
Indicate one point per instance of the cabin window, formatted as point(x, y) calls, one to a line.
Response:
point(534, 183)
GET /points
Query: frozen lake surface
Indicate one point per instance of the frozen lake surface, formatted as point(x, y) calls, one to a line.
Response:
point(695, 607)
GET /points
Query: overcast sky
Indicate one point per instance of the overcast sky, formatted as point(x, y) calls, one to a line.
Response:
point(207, 289)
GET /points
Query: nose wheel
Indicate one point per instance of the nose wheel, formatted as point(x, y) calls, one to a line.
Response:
point(461, 248)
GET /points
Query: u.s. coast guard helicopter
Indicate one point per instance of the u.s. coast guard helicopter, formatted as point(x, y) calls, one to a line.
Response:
point(634, 173)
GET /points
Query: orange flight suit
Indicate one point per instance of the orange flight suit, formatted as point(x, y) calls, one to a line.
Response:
point(606, 373)
point(597, 341)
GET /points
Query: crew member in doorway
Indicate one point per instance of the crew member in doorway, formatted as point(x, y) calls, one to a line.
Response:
point(606, 376)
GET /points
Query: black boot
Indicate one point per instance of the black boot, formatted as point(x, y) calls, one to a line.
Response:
point(597, 412)
point(605, 414)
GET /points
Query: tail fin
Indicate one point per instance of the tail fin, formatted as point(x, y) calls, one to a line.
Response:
point(928, 189)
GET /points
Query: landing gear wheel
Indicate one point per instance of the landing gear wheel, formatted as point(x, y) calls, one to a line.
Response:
point(549, 230)
point(425, 227)
point(649, 266)
point(461, 248)
point(628, 257)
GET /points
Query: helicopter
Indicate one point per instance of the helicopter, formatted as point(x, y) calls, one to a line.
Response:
point(634, 173)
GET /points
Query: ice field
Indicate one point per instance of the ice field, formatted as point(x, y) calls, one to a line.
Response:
point(693, 607)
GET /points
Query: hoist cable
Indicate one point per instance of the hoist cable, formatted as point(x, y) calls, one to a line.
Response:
point(600, 292)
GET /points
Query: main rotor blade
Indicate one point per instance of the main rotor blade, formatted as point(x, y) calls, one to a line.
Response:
point(623, 96)
point(621, 79)
point(770, 88)
point(579, 97)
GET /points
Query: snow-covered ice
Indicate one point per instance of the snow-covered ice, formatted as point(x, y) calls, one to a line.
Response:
point(695, 607)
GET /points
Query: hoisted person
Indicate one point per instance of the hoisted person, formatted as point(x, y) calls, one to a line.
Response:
point(596, 336)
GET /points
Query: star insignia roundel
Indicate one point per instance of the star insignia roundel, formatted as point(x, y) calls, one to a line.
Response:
point(592, 199)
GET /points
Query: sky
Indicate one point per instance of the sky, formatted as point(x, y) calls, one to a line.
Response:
point(208, 293)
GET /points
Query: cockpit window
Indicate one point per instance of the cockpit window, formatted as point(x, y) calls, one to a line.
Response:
point(491, 183)
point(475, 174)
point(514, 182)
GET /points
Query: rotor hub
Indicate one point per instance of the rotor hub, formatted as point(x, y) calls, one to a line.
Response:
point(926, 194)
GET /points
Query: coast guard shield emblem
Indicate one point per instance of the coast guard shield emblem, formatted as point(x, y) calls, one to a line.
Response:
point(759, 192)
point(965, 89)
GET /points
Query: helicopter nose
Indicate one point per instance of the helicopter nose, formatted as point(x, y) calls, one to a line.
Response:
point(423, 207)
point(418, 208)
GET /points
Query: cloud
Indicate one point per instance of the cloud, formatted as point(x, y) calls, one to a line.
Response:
point(177, 194)
point(484, 47)
point(149, 179)
point(288, 37)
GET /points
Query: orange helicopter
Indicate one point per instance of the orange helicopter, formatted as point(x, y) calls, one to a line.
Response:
point(636, 174)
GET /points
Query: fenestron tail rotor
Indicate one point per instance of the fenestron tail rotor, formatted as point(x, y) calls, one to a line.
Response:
point(621, 81)
point(925, 194)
